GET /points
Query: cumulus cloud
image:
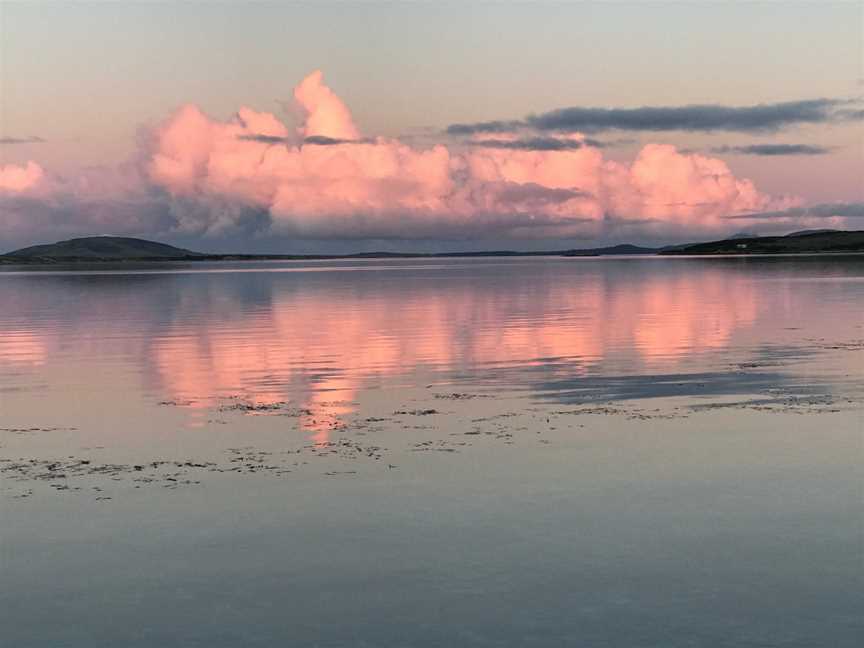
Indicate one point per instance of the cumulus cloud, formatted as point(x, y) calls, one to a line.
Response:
point(326, 114)
point(772, 149)
point(694, 118)
point(352, 186)
point(19, 178)
point(251, 175)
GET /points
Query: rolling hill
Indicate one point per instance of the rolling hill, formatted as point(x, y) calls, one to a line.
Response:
point(795, 243)
point(102, 248)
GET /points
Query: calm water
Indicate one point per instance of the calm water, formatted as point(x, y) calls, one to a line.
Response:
point(497, 452)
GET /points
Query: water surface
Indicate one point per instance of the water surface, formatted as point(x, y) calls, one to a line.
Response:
point(473, 452)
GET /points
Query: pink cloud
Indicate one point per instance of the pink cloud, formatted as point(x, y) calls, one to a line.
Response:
point(326, 114)
point(384, 187)
point(15, 178)
point(252, 173)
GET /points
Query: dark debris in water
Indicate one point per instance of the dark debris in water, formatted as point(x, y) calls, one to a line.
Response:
point(461, 396)
point(73, 474)
point(282, 408)
point(438, 446)
point(787, 404)
point(417, 412)
point(33, 430)
point(88, 476)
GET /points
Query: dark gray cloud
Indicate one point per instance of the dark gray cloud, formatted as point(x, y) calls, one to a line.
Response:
point(264, 139)
point(763, 117)
point(825, 210)
point(321, 140)
point(533, 194)
point(851, 115)
point(538, 144)
point(30, 139)
point(315, 140)
point(693, 118)
point(773, 149)
point(485, 127)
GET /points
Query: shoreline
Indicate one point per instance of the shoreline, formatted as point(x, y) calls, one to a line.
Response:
point(219, 258)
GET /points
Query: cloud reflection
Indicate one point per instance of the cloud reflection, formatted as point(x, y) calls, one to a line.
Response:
point(19, 348)
point(324, 339)
point(320, 348)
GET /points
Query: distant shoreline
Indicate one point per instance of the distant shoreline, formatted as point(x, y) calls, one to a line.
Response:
point(49, 259)
point(13, 261)
point(130, 250)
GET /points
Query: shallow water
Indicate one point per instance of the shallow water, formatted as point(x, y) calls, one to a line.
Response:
point(471, 452)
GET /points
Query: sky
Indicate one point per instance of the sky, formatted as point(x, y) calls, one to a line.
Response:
point(325, 127)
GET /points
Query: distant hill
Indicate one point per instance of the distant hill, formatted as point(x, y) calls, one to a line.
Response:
point(102, 248)
point(799, 243)
point(624, 248)
point(121, 248)
point(812, 231)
